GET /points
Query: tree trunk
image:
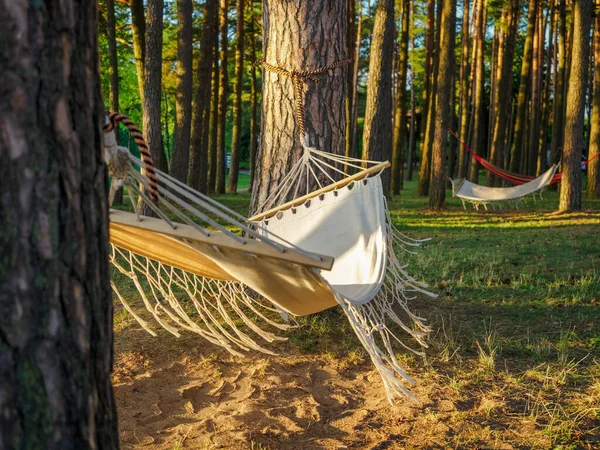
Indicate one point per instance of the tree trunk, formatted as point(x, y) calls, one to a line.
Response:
point(138, 30)
point(570, 191)
point(113, 73)
point(253, 99)
point(522, 99)
point(413, 117)
point(378, 137)
point(350, 50)
point(424, 172)
point(558, 115)
point(530, 151)
point(443, 108)
point(214, 112)
point(183, 102)
point(223, 93)
point(542, 143)
point(355, 66)
point(55, 302)
point(464, 92)
point(401, 103)
point(503, 88)
point(236, 138)
point(198, 172)
point(298, 36)
point(478, 137)
point(593, 171)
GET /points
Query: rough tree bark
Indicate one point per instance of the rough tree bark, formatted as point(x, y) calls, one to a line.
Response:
point(300, 36)
point(437, 195)
point(138, 30)
point(593, 182)
point(401, 103)
point(378, 137)
point(503, 88)
point(524, 85)
point(570, 189)
point(183, 102)
point(55, 300)
point(236, 138)
point(198, 171)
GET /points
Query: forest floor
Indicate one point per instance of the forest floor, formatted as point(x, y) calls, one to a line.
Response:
point(514, 359)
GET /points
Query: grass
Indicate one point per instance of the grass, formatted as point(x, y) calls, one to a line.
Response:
point(517, 319)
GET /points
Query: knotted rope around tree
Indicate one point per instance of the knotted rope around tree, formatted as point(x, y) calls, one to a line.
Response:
point(299, 80)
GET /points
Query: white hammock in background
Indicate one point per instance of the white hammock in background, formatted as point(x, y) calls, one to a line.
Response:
point(225, 279)
point(483, 195)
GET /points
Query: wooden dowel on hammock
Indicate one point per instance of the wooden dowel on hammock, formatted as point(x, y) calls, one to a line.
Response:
point(337, 185)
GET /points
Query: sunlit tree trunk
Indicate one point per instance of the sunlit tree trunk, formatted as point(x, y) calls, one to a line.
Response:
point(223, 94)
point(183, 101)
point(478, 137)
point(253, 99)
point(401, 103)
point(530, 153)
point(355, 66)
point(593, 172)
point(543, 140)
point(378, 137)
point(56, 337)
point(138, 30)
point(522, 99)
point(443, 108)
point(214, 108)
point(464, 92)
point(570, 191)
point(558, 113)
point(198, 171)
point(236, 138)
point(300, 36)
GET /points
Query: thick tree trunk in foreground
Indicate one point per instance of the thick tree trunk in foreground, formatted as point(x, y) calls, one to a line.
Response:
point(198, 172)
point(522, 99)
point(183, 103)
point(223, 93)
point(138, 30)
point(378, 137)
point(570, 190)
point(401, 104)
point(300, 36)
point(236, 137)
point(437, 195)
point(55, 300)
point(593, 173)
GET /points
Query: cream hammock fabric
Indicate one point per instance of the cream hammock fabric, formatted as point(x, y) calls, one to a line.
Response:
point(204, 268)
point(484, 195)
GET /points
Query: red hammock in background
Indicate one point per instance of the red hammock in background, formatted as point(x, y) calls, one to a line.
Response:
point(509, 176)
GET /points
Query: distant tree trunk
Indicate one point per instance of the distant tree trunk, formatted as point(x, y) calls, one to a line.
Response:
point(478, 137)
point(570, 191)
point(198, 172)
point(350, 51)
point(378, 137)
point(355, 66)
point(401, 103)
point(522, 99)
point(223, 93)
point(214, 110)
point(543, 139)
point(253, 100)
point(464, 92)
point(443, 108)
point(56, 310)
point(413, 117)
point(593, 172)
point(183, 102)
point(558, 115)
point(530, 153)
point(113, 73)
point(503, 89)
point(153, 87)
point(138, 30)
point(297, 36)
point(236, 139)
point(424, 170)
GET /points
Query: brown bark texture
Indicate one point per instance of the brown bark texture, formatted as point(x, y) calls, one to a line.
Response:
point(300, 36)
point(570, 189)
point(478, 137)
point(55, 302)
point(593, 171)
point(183, 101)
point(464, 92)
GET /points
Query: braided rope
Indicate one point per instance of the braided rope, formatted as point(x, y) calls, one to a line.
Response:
point(114, 118)
point(299, 79)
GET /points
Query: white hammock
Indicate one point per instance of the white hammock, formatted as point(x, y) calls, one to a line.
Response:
point(334, 245)
point(483, 195)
